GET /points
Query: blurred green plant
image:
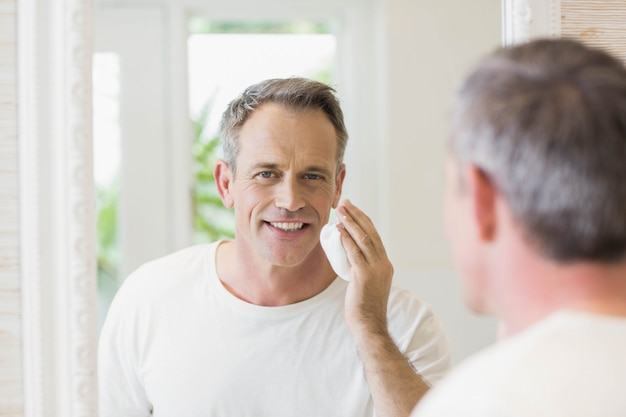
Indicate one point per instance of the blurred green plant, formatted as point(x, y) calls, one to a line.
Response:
point(212, 220)
point(108, 248)
point(199, 25)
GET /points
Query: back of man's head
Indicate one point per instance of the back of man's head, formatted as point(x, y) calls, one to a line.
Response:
point(546, 122)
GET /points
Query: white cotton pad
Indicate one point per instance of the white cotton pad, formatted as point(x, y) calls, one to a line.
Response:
point(330, 238)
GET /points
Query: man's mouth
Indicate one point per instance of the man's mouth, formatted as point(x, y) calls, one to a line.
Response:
point(287, 226)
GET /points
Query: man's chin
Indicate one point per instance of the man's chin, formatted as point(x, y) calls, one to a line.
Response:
point(291, 260)
point(477, 306)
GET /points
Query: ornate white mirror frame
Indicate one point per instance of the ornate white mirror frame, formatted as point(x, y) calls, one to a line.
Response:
point(523, 20)
point(56, 206)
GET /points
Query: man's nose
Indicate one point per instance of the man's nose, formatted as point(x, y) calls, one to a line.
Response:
point(289, 195)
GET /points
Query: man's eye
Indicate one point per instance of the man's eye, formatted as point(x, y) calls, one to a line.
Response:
point(312, 176)
point(265, 174)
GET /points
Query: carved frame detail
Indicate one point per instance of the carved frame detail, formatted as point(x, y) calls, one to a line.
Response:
point(57, 208)
point(523, 20)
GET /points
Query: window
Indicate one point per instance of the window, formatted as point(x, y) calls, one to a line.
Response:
point(225, 58)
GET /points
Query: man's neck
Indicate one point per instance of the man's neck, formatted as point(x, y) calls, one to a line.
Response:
point(592, 287)
point(269, 285)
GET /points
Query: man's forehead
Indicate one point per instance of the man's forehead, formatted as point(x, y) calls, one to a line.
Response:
point(274, 160)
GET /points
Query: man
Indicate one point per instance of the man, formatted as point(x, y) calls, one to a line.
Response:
point(261, 325)
point(537, 222)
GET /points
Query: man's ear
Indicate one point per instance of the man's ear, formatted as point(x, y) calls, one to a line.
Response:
point(483, 194)
point(224, 179)
point(341, 175)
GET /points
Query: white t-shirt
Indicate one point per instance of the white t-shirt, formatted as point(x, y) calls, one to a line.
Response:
point(177, 343)
point(571, 364)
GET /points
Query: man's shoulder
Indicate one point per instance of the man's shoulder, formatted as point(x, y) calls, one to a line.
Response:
point(409, 316)
point(188, 257)
point(163, 273)
point(406, 304)
point(544, 361)
point(475, 387)
point(504, 369)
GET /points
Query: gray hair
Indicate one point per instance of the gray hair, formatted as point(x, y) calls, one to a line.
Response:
point(546, 122)
point(292, 93)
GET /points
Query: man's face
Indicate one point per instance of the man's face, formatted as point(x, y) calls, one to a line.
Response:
point(286, 183)
point(463, 237)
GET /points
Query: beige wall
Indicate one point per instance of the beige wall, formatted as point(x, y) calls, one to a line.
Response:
point(10, 323)
point(431, 45)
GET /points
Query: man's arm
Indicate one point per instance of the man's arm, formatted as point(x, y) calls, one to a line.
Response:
point(395, 386)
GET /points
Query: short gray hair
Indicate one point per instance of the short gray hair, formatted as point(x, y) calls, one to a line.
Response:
point(292, 93)
point(546, 121)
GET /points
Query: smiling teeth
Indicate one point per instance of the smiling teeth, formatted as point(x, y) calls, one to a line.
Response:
point(288, 226)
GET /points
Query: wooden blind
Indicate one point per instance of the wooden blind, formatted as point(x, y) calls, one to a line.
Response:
point(11, 403)
point(600, 23)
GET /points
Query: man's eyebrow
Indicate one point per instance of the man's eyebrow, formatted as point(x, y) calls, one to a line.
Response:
point(274, 166)
point(318, 169)
point(264, 165)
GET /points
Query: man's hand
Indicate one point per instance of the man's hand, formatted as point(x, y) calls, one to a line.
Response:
point(370, 270)
point(394, 384)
